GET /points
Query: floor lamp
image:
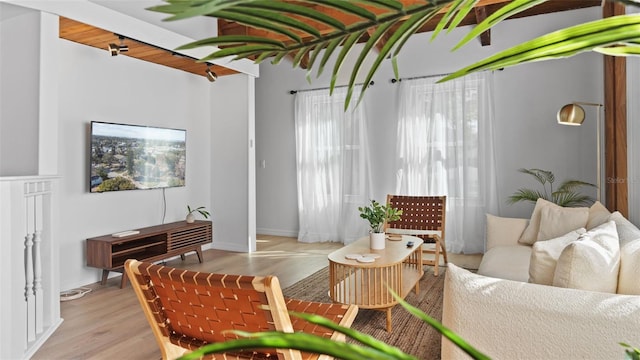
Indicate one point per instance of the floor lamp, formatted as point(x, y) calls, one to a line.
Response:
point(573, 114)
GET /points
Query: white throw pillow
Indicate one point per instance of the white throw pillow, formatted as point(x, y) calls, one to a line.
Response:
point(545, 254)
point(598, 215)
point(591, 262)
point(556, 221)
point(629, 235)
point(629, 277)
point(626, 230)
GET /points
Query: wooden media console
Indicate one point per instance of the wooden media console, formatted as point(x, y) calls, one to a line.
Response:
point(151, 244)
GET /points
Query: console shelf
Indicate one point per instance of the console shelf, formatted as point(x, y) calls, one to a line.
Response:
point(151, 244)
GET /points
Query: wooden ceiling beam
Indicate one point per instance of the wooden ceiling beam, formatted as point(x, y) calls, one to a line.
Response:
point(481, 15)
point(99, 38)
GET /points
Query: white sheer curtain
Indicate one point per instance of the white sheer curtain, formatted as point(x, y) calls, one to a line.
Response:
point(332, 166)
point(445, 147)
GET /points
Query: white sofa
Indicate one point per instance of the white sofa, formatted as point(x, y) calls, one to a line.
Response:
point(506, 317)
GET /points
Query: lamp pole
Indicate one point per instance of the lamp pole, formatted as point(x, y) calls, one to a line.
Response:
point(599, 164)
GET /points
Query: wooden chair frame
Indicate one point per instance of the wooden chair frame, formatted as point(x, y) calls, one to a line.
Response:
point(189, 309)
point(423, 217)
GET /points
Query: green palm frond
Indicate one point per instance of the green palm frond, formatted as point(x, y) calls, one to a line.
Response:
point(571, 185)
point(526, 195)
point(291, 21)
point(566, 195)
point(298, 24)
point(563, 43)
point(367, 348)
point(506, 11)
point(631, 353)
point(543, 176)
point(571, 199)
point(621, 50)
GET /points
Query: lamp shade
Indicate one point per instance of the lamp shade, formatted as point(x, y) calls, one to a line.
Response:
point(571, 114)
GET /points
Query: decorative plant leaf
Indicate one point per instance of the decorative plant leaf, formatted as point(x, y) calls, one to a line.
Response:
point(307, 12)
point(453, 7)
point(562, 43)
point(299, 341)
point(259, 14)
point(623, 50)
point(373, 39)
point(368, 347)
point(504, 12)
point(464, 9)
point(446, 332)
point(397, 40)
point(186, 9)
point(232, 40)
point(277, 18)
point(291, 20)
point(346, 47)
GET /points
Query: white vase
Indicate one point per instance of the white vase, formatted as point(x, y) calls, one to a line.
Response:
point(190, 218)
point(376, 240)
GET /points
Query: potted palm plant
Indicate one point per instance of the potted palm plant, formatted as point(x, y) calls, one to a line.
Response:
point(566, 195)
point(377, 214)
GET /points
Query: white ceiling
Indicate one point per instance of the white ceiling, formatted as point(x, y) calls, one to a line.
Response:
point(196, 28)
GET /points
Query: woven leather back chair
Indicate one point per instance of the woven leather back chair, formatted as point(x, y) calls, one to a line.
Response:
point(423, 217)
point(188, 309)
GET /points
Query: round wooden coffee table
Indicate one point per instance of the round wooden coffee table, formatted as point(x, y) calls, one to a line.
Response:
point(397, 267)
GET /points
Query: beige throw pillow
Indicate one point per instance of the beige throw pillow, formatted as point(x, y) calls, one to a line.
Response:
point(591, 262)
point(598, 215)
point(545, 254)
point(556, 221)
point(530, 234)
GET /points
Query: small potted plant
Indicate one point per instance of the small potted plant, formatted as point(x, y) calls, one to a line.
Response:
point(190, 213)
point(377, 214)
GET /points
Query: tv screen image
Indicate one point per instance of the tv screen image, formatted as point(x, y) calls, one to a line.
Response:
point(131, 157)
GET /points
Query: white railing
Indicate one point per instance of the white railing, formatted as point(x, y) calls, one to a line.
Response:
point(29, 264)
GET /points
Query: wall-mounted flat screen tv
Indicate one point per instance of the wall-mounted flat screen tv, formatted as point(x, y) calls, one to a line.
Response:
point(131, 157)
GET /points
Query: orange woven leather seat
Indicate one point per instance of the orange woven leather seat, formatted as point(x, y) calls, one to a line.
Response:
point(188, 309)
point(424, 217)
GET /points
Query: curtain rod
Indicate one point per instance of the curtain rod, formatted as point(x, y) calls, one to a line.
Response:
point(393, 81)
point(325, 88)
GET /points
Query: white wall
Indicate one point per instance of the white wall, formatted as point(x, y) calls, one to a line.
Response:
point(96, 86)
point(55, 88)
point(20, 72)
point(527, 99)
point(231, 139)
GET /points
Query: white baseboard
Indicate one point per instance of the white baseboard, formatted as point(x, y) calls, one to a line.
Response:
point(276, 232)
point(227, 246)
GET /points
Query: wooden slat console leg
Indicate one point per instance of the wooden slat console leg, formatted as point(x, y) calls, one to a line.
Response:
point(105, 276)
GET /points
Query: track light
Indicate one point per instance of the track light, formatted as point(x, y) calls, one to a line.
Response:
point(210, 74)
point(117, 49)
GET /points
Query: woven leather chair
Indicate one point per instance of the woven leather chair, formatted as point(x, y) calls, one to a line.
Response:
point(423, 217)
point(188, 309)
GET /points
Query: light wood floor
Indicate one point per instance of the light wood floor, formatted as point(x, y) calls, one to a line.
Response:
point(107, 323)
